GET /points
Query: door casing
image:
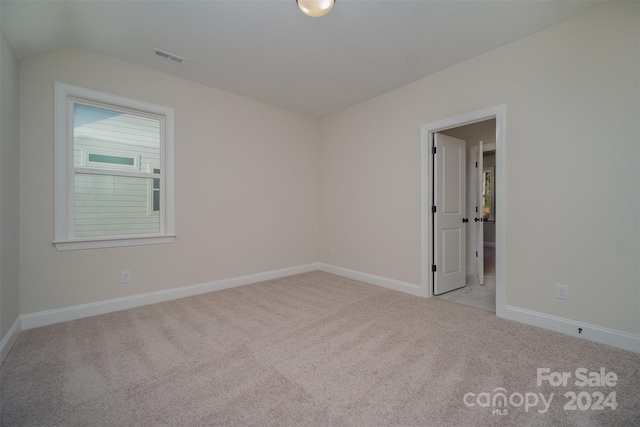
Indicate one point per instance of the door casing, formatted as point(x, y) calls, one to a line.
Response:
point(426, 184)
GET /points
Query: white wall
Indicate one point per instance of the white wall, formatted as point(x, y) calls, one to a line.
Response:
point(9, 176)
point(572, 150)
point(246, 187)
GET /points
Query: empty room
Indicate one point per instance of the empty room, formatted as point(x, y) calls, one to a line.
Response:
point(319, 212)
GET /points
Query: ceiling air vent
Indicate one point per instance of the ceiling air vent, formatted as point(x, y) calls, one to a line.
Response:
point(169, 56)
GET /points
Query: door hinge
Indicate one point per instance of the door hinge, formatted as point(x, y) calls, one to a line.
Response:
point(433, 209)
point(476, 254)
point(476, 209)
point(433, 268)
point(476, 164)
point(433, 150)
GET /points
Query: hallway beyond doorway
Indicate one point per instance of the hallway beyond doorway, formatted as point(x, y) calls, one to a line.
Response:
point(474, 294)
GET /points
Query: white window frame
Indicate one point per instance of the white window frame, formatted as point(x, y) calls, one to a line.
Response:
point(65, 96)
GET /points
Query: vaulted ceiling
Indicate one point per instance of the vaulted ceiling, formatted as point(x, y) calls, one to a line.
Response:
point(269, 51)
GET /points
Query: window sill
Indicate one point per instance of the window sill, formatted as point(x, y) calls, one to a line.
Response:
point(72, 245)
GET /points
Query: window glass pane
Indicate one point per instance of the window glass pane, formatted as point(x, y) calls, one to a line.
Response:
point(156, 200)
point(156, 192)
point(107, 205)
point(108, 139)
point(114, 160)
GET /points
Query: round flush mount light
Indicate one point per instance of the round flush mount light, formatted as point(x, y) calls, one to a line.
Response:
point(315, 8)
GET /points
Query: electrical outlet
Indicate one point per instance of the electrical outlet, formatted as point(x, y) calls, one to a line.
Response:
point(562, 291)
point(332, 252)
point(125, 276)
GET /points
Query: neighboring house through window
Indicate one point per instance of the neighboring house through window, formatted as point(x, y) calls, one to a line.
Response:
point(114, 170)
point(154, 198)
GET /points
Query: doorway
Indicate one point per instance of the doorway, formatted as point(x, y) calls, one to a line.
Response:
point(478, 287)
point(435, 247)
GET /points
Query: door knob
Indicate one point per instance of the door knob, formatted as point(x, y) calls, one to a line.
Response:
point(465, 219)
point(477, 219)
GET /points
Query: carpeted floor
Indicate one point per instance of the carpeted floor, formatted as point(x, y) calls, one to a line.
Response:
point(307, 350)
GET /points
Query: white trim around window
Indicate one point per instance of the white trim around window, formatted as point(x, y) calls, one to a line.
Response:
point(65, 170)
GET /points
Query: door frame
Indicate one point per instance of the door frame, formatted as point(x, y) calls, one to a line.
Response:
point(426, 194)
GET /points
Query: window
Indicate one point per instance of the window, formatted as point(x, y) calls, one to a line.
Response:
point(154, 194)
point(488, 201)
point(114, 170)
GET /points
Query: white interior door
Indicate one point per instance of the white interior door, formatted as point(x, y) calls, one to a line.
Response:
point(479, 223)
point(450, 238)
point(472, 197)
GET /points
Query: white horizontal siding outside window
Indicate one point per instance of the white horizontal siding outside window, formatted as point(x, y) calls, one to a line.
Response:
point(114, 170)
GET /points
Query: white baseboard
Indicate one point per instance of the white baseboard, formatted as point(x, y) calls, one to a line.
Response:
point(9, 339)
point(612, 337)
point(590, 332)
point(49, 317)
point(385, 282)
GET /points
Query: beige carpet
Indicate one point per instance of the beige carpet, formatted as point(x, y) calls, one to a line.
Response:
point(308, 350)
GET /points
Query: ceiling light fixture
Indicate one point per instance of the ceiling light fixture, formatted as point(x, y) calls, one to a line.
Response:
point(315, 8)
